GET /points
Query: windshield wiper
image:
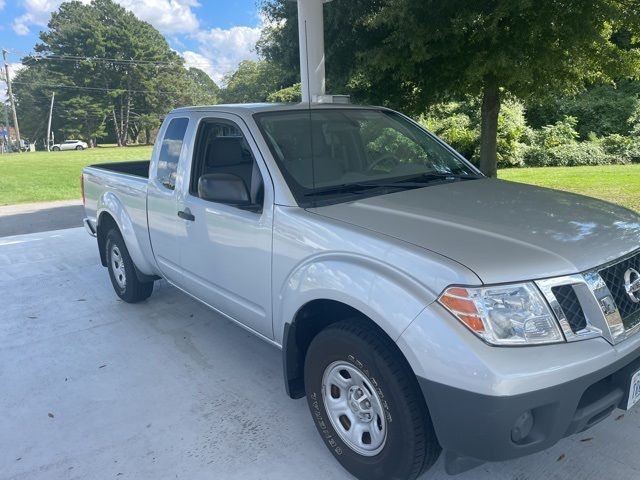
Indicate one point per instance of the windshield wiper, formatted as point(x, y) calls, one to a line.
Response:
point(360, 187)
point(418, 181)
point(436, 176)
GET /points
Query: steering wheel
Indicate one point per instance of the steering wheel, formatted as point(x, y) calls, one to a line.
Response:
point(385, 157)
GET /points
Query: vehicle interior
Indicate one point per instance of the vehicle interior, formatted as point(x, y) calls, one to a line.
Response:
point(333, 147)
point(221, 148)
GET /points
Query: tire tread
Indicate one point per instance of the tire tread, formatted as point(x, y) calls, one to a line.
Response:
point(427, 449)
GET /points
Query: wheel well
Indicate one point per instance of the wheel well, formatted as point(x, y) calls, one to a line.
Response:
point(310, 320)
point(105, 223)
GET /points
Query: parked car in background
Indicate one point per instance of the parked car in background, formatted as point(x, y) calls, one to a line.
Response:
point(70, 145)
point(24, 145)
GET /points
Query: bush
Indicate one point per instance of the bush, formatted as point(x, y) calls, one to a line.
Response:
point(569, 155)
point(512, 134)
point(458, 124)
point(563, 132)
point(456, 130)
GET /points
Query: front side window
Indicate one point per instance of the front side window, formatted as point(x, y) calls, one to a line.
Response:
point(332, 155)
point(170, 152)
point(221, 148)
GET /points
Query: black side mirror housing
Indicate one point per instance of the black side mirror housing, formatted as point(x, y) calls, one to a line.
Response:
point(224, 188)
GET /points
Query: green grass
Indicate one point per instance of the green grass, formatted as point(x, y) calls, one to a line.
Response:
point(614, 183)
point(45, 176)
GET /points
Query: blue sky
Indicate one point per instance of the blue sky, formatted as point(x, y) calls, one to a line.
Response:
point(214, 35)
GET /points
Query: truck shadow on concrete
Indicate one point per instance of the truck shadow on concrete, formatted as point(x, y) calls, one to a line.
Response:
point(55, 218)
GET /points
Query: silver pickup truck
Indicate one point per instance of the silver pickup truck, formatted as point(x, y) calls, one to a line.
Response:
point(419, 306)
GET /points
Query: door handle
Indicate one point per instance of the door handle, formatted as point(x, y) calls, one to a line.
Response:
point(186, 215)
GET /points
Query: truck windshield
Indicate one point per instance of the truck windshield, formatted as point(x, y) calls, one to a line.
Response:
point(331, 155)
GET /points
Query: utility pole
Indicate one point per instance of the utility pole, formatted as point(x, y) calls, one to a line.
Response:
point(53, 94)
point(10, 92)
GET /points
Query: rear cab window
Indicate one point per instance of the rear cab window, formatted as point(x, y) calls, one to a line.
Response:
point(170, 152)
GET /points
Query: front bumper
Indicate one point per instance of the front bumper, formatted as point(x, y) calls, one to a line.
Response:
point(473, 428)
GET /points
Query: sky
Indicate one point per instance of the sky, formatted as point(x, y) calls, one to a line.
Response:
point(213, 35)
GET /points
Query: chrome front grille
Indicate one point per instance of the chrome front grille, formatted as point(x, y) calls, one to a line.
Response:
point(613, 276)
point(570, 305)
point(595, 303)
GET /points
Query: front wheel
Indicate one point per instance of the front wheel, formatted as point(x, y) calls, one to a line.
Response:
point(79, 147)
point(122, 271)
point(367, 405)
point(56, 149)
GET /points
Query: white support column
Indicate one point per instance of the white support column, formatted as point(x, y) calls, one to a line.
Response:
point(311, 31)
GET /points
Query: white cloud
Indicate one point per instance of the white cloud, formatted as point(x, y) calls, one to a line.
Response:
point(221, 50)
point(37, 12)
point(2, 4)
point(168, 16)
point(14, 68)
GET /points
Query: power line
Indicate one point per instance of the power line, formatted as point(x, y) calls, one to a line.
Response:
point(96, 89)
point(76, 58)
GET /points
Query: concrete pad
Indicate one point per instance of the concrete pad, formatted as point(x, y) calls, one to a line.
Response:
point(40, 217)
point(93, 388)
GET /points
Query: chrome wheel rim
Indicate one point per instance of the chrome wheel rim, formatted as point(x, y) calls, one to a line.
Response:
point(117, 267)
point(354, 408)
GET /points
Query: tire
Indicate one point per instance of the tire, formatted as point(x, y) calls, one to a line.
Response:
point(376, 371)
point(56, 149)
point(122, 272)
point(79, 147)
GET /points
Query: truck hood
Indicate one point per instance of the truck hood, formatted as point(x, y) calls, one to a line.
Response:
point(503, 231)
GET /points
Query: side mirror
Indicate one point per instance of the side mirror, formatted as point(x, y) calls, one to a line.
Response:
point(224, 188)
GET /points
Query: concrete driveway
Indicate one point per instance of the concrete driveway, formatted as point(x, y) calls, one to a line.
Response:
point(93, 388)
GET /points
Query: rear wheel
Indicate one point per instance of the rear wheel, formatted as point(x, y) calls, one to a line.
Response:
point(122, 271)
point(367, 405)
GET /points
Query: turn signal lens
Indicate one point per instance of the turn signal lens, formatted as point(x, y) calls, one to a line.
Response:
point(504, 315)
point(458, 302)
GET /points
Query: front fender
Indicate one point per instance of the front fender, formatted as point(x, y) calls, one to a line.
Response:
point(388, 296)
point(110, 204)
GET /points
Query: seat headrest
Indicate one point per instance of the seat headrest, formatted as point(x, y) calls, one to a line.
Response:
point(226, 151)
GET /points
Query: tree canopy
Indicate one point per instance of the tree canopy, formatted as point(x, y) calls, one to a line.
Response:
point(108, 69)
point(409, 54)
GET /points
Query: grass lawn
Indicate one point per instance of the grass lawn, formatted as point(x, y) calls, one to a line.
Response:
point(614, 183)
point(44, 176)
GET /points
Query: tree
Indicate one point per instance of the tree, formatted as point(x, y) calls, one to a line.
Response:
point(253, 81)
point(105, 65)
point(346, 37)
point(292, 94)
point(204, 90)
point(602, 109)
point(415, 53)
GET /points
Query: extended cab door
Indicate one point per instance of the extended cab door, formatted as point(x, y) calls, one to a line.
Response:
point(225, 249)
point(162, 209)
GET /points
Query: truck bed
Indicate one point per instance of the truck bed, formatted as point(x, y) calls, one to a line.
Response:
point(139, 168)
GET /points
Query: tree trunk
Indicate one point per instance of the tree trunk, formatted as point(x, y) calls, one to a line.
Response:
point(147, 135)
point(115, 125)
point(125, 129)
point(489, 129)
point(121, 141)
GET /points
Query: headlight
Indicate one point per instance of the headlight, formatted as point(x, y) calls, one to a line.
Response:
point(504, 315)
